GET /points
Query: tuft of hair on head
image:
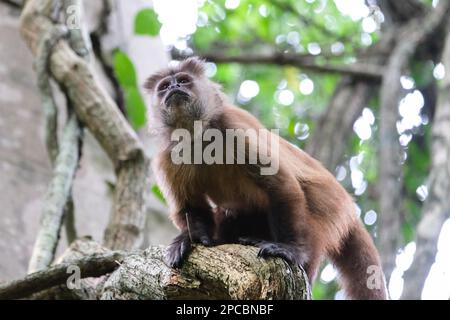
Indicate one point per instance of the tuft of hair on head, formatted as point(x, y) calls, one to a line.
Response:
point(194, 65)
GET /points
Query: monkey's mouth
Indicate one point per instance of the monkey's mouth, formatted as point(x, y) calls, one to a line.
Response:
point(175, 96)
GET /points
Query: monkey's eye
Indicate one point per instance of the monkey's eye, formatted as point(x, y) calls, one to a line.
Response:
point(163, 86)
point(183, 80)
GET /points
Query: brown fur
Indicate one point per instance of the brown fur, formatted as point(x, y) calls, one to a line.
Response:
point(300, 214)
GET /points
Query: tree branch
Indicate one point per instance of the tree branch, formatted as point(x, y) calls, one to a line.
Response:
point(91, 266)
point(51, 113)
point(57, 197)
point(222, 272)
point(127, 222)
point(366, 71)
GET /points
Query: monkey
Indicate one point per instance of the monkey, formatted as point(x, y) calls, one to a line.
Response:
point(301, 213)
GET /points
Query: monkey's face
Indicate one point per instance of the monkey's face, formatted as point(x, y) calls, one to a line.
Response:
point(175, 91)
point(177, 100)
point(182, 95)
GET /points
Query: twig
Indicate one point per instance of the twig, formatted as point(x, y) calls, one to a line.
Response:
point(90, 266)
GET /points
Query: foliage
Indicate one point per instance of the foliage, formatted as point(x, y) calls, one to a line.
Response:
point(126, 76)
point(158, 194)
point(146, 23)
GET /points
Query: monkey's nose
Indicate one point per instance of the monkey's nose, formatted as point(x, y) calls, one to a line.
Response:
point(174, 86)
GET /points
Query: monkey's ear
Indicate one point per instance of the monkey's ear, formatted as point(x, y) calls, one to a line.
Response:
point(194, 65)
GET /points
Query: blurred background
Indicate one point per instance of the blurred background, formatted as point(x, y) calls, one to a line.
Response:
point(316, 69)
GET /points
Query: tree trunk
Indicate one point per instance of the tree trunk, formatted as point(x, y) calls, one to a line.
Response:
point(437, 206)
point(390, 180)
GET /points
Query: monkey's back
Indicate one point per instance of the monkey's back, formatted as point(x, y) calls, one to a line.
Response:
point(331, 208)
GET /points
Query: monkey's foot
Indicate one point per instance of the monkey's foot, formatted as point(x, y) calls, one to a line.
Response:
point(178, 250)
point(290, 253)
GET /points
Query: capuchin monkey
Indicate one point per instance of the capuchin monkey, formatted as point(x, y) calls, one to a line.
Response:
point(300, 213)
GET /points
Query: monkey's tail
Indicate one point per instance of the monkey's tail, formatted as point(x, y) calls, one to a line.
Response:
point(359, 266)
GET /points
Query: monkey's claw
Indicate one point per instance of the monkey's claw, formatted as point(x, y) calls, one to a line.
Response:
point(178, 251)
point(275, 250)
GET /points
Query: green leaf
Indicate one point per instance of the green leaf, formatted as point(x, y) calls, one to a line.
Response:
point(124, 70)
point(146, 23)
point(158, 194)
point(135, 107)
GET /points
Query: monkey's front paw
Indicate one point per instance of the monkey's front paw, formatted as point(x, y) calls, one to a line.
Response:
point(277, 250)
point(178, 250)
point(206, 241)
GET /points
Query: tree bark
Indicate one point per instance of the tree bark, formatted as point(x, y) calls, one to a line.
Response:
point(437, 205)
point(222, 272)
